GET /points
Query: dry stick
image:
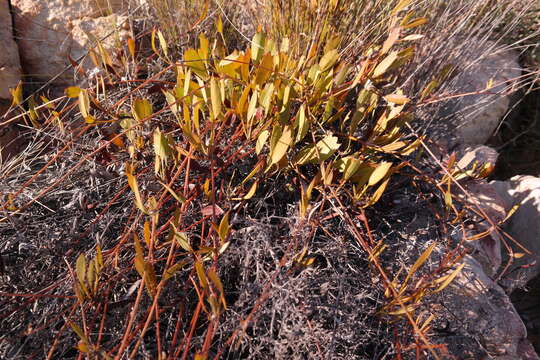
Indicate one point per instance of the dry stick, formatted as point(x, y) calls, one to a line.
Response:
point(154, 307)
point(132, 315)
point(194, 320)
point(57, 338)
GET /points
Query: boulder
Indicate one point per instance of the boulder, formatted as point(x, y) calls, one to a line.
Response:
point(481, 321)
point(50, 32)
point(10, 75)
point(523, 227)
point(10, 67)
point(487, 79)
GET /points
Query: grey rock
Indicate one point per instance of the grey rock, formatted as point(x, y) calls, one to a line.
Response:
point(10, 67)
point(484, 318)
point(523, 227)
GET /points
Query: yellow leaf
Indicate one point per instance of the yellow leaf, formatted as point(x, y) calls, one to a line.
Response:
point(266, 97)
point(261, 141)
point(174, 269)
point(265, 69)
point(215, 98)
point(179, 197)
point(397, 99)
point(328, 60)
point(400, 6)
point(350, 166)
point(251, 192)
point(141, 109)
point(379, 173)
point(448, 279)
point(257, 46)
point(17, 94)
point(418, 263)
point(193, 60)
point(163, 43)
point(132, 181)
point(218, 284)
point(385, 64)
point(80, 268)
point(415, 23)
point(224, 227)
point(391, 40)
point(201, 274)
point(83, 347)
point(320, 152)
point(281, 146)
point(413, 37)
point(72, 92)
point(84, 103)
point(219, 25)
point(131, 46)
point(78, 331)
point(378, 193)
point(302, 124)
point(182, 240)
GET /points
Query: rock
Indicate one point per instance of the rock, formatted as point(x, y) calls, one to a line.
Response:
point(482, 197)
point(476, 154)
point(49, 32)
point(10, 67)
point(485, 206)
point(480, 314)
point(523, 226)
point(473, 119)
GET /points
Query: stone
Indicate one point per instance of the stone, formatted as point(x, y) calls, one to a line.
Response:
point(476, 154)
point(49, 32)
point(488, 208)
point(10, 67)
point(472, 119)
point(523, 227)
point(480, 314)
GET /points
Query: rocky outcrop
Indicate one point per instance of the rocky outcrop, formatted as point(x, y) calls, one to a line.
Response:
point(50, 32)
